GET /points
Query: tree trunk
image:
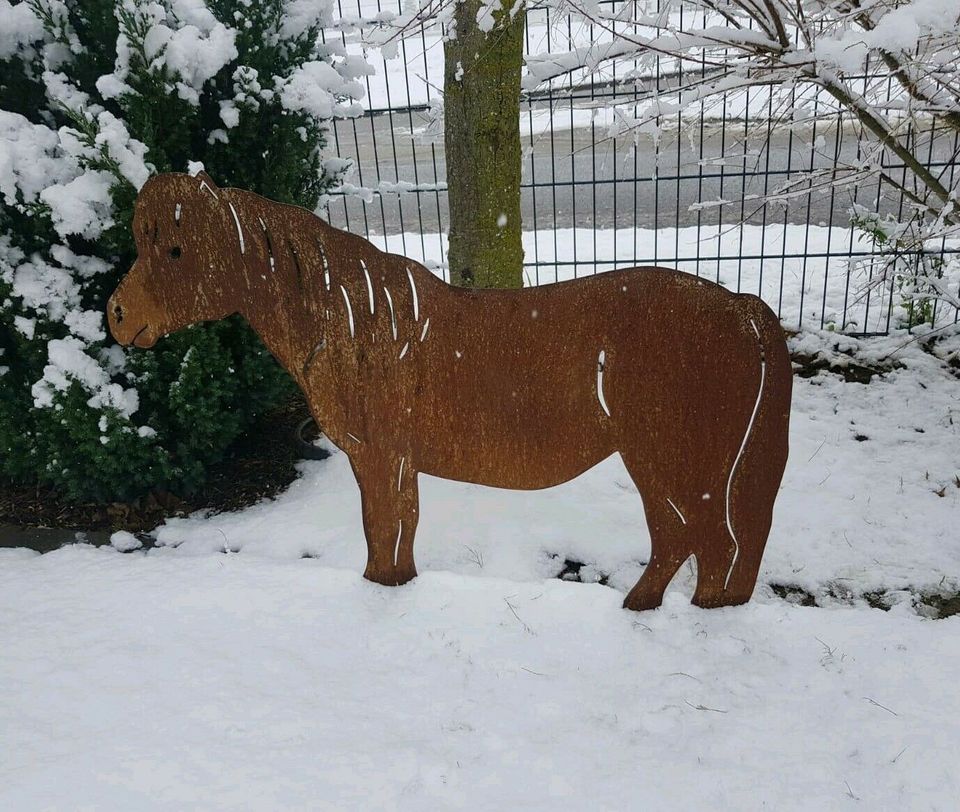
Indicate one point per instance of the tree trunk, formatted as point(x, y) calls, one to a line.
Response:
point(482, 143)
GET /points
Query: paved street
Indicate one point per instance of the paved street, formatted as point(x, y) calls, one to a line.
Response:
point(595, 184)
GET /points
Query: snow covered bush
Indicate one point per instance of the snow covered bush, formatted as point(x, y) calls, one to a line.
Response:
point(95, 96)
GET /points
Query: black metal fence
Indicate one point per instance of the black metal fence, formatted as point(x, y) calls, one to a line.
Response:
point(597, 195)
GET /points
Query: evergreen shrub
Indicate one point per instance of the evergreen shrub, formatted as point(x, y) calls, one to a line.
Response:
point(95, 96)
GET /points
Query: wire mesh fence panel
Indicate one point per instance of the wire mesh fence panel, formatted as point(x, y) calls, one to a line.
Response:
point(705, 189)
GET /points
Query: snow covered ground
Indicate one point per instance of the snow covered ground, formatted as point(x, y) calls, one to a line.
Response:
point(238, 682)
point(191, 677)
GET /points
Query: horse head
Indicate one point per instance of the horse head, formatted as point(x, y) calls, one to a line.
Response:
point(186, 269)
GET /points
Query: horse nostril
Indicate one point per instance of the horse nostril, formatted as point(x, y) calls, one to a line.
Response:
point(118, 313)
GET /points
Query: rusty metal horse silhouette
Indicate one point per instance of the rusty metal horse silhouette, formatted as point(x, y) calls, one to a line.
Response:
point(516, 389)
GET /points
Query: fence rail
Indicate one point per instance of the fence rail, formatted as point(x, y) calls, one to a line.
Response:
point(592, 200)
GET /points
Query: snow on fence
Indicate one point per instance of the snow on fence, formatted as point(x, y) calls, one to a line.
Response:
point(688, 192)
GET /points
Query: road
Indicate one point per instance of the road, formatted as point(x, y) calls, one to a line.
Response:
point(577, 177)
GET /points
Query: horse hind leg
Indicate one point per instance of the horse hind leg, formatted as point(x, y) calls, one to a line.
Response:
point(684, 525)
point(754, 480)
point(729, 561)
point(686, 517)
point(753, 491)
point(665, 560)
point(669, 542)
point(725, 496)
point(731, 520)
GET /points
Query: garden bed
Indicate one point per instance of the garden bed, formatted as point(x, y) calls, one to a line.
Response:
point(259, 465)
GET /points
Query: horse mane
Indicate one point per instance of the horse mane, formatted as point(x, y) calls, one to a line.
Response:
point(338, 276)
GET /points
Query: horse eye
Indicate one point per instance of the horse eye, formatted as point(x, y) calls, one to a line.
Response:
point(175, 252)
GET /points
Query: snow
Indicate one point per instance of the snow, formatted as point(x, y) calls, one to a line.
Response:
point(218, 137)
point(195, 13)
point(124, 542)
point(110, 87)
point(247, 88)
point(195, 54)
point(25, 326)
point(244, 663)
point(299, 15)
point(563, 50)
point(83, 206)
point(52, 290)
point(315, 87)
point(84, 266)
point(70, 363)
point(28, 158)
point(60, 90)
point(899, 29)
point(551, 47)
point(43, 287)
point(37, 161)
point(485, 18)
point(86, 324)
point(128, 153)
point(111, 140)
point(229, 114)
point(19, 27)
point(157, 682)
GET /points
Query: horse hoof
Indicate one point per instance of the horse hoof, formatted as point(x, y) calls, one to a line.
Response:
point(641, 603)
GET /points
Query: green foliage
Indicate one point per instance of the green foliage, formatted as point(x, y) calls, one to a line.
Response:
point(214, 378)
point(199, 389)
point(914, 269)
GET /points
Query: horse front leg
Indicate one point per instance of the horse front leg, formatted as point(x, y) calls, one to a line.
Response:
point(390, 500)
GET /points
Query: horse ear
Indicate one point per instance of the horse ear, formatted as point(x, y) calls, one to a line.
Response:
point(206, 186)
point(203, 176)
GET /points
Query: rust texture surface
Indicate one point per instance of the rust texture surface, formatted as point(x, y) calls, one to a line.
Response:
point(523, 389)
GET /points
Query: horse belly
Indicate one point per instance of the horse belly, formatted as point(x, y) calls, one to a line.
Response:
point(515, 466)
point(524, 422)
